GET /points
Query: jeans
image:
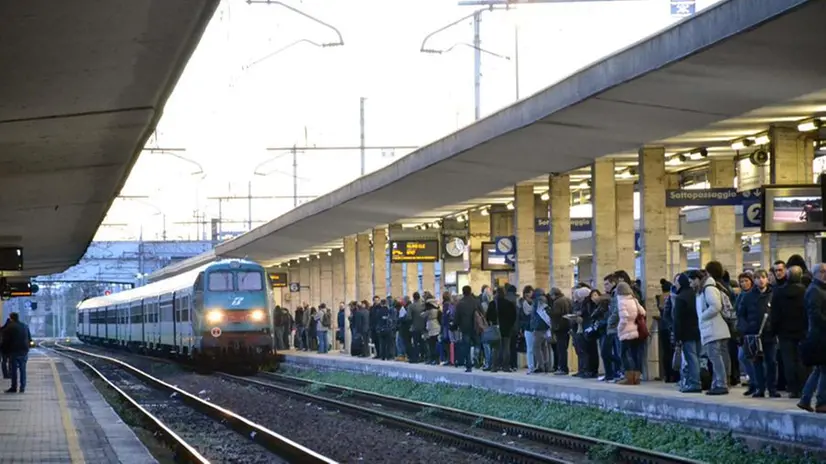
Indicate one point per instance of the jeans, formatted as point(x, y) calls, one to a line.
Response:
point(631, 354)
point(717, 352)
point(418, 347)
point(748, 366)
point(505, 353)
point(302, 338)
point(561, 352)
point(322, 342)
point(795, 372)
point(690, 376)
point(400, 348)
point(765, 368)
point(386, 344)
point(610, 355)
point(464, 350)
point(5, 360)
point(18, 363)
point(541, 351)
point(816, 383)
point(529, 350)
point(374, 336)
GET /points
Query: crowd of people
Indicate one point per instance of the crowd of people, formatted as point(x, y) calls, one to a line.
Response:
point(15, 340)
point(768, 325)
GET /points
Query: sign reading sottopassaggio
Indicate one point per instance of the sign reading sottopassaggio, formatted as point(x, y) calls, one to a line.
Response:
point(709, 197)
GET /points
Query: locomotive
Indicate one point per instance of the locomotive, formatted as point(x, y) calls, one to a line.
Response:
point(216, 316)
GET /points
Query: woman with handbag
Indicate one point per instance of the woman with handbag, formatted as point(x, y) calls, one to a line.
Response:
point(631, 329)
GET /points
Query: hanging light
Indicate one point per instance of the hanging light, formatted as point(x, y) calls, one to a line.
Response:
point(485, 212)
point(460, 218)
point(545, 196)
point(810, 125)
point(510, 206)
point(762, 140)
point(329, 252)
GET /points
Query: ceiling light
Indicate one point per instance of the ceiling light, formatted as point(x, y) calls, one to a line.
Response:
point(341, 249)
point(675, 160)
point(485, 212)
point(741, 144)
point(330, 253)
point(436, 225)
point(461, 218)
point(585, 184)
point(545, 196)
point(809, 126)
point(761, 140)
point(510, 206)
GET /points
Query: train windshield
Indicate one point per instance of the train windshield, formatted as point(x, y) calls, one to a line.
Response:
point(250, 281)
point(220, 282)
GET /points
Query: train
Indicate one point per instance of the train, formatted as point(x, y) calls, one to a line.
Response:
point(216, 316)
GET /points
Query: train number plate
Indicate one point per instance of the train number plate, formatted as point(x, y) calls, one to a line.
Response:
point(236, 316)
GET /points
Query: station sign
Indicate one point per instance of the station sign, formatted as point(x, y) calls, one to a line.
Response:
point(414, 251)
point(753, 214)
point(279, 279)
point(678, 198)
point(543, 225)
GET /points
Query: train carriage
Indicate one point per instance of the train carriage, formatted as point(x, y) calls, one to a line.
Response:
point(219, 313)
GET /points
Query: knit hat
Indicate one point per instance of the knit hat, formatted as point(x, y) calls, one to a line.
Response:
point(582, 293)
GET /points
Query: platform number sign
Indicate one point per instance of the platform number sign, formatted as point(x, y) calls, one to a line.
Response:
point(753, 214)
point(237, 301)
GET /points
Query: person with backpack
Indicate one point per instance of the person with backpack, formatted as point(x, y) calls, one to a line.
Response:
point(714, 332)
point(722, 280)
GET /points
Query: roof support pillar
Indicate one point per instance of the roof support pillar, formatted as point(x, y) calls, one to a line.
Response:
point(429, 278)
point(479, 230)
point(411, 278)
point(380, 262)
point(559, 235)
point(338, 292)
point(304, 280)
point(626, 254)
point(294, 276)
point(523, 228)
point(604, 201)
point(315, 281)
point(396, 270)
point(364, 261)
point(350, 287)
point(325, 284)
point(677, 259)
point(542, 263)
point(653, 241)
point(722, 228)
point(792, 156)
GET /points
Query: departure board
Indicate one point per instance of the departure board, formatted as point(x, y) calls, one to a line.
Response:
point(414, 251)
point(279, 279)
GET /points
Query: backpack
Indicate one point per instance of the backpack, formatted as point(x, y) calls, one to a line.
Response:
point(728, 312)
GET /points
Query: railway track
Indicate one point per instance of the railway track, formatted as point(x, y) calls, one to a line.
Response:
point(182, 418)
point(495, 437)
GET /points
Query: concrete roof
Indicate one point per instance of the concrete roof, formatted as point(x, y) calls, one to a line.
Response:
point(82, 86)
point(726, 72)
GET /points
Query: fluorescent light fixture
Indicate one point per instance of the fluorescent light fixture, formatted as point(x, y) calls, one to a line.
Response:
point(584, 184)
point(510, 206)
point(673, 161)
point(330, 253)
point(545, 196)
point(461, 218)
point(808, 126)
point(485, 212)
point(761, 140)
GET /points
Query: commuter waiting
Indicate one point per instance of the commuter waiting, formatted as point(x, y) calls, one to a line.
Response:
point(16, 340)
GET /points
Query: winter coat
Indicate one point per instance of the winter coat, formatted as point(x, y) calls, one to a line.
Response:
point(815, 299)
point(361, 321)
point(709, 305)
point(433, 326)
point(684, 314)
point(754, 305)
point(537, 321)
point(465, 310)
point(416, 310)
point(506, 314)
point(613, 314)
point(16, 339)
point(788, 312)
point(524, 311)
point(559, 308)
point(628, 308)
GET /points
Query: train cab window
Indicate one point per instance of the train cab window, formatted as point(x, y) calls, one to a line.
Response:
point(250, 281)
point(199, 283)
point(220, 281)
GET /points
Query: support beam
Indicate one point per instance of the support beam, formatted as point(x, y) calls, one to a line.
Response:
point(315, 281)
point(604, 197)
point(543, 248)
point(479, 229)
point(626, 255)
point(380, 262)
point(524, 219)
point(350, 282)
point(722, 223)
point(364, 261)
point(559, 207)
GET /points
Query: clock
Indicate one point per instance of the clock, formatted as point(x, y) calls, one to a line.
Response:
point(504, 246)
point(455, 247)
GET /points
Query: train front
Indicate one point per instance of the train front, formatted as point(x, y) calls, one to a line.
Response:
point(236, 323)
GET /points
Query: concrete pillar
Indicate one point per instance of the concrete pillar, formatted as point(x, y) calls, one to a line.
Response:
point(585, 265)
point(738, 256)
point(542, 256)
point(479, 229)
point(350, 286)
point(705, 252)
point(672, 228)
point(411, 279)
point(791, 163)
point(293, 275)
point(559, 237)
point(338, 290)
point(315, 281)
point(304, 272)
point(429, 278)
point(524, 219)
point(380, 262)
point(626, 256)
point(397, 279)
point(654, 239)
point(326, 281)
point(722, 226)
point(364, 261)
point(604, 199)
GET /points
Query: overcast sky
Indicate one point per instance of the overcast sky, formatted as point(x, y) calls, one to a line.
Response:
point(226, 111)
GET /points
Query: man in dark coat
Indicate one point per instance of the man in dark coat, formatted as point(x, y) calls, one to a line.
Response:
point(789, 321)
point(464, 321)
point(506, 314)
point(686, 332)
point(417, 320)
point(16, 339)
point(5, 360)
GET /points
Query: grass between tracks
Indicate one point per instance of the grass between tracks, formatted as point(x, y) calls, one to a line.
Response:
point(713, 447)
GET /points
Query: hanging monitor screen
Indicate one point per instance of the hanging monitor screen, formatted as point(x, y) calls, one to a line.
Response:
point(792, 208)
point(414, 251)
point(278, 279)
point(492, 261)
point(11, 259)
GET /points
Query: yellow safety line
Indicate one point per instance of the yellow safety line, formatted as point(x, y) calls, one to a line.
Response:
point(71, 434)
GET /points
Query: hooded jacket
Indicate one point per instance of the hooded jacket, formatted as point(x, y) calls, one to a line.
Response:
point(560, 306)
point(465, 310)
point(505, 314)
point(416, 310)
point(684, 314)
point(629, 308)
point(815, 298)
point(754, 305)
point(540, 309)
point(788, 315)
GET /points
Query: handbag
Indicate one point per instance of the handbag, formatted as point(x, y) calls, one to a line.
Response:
point(753, 344)
point(491, 334)
point(677, 359)
point(642, 327)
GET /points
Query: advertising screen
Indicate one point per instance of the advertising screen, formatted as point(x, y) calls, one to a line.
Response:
point(491, 261)
point(414, 251)
point(793, 208)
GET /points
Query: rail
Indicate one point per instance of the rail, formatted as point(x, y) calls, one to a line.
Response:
point(282, 446)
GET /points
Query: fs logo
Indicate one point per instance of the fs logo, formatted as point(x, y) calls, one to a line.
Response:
point(237, 301)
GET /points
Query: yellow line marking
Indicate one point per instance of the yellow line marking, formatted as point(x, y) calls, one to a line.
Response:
point(71, 434)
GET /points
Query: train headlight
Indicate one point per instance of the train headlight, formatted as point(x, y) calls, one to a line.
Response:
point(215, 316)
point(258, 315)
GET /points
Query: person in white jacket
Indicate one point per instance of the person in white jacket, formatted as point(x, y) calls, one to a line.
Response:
point(714, 332)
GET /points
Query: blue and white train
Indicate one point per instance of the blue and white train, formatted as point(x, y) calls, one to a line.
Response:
point(216, 315)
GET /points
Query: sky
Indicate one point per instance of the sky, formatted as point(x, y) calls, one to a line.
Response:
point(231, 110)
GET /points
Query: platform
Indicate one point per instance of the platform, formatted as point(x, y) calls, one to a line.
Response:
point(777, 419)
point(61, 418)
